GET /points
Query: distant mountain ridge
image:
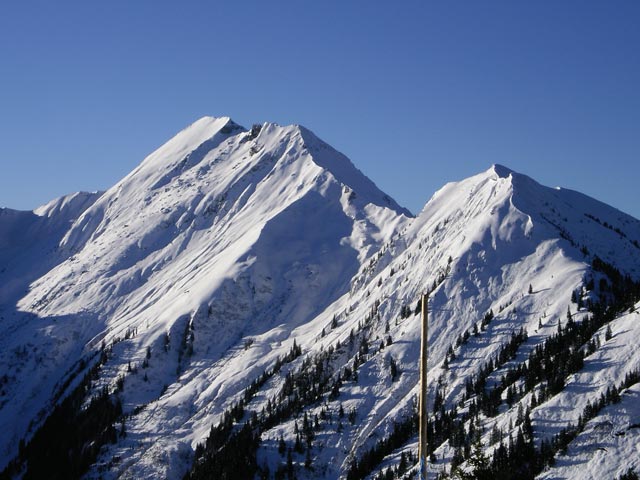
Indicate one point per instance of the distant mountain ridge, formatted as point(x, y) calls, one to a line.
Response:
point(257, 280)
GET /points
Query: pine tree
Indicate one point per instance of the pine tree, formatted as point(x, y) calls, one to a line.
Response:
point(608, 334)
point(479, 461)
point(393, 369)
point(629, 475)
point(496, 434)
point(520, 414)
point(403, 464)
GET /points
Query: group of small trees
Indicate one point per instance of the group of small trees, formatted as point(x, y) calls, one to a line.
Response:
point(70, 439)
point(543, 373)
point(400, 434)
point(316, 381)
point(546, 369)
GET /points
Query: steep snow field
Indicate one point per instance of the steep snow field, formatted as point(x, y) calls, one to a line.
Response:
point(206, 263)
point(232, 233)
point(487, 239)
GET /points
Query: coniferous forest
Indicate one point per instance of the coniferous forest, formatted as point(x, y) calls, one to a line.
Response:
point(519, 455)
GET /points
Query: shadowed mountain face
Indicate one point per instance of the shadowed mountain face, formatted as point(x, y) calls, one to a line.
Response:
point(258, 279)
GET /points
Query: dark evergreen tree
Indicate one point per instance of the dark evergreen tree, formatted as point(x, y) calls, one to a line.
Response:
point(630, 474)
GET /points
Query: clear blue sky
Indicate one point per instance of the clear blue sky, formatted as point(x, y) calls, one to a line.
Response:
point(416, 93)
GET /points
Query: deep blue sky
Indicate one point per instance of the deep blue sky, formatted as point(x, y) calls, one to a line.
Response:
point(416, 93)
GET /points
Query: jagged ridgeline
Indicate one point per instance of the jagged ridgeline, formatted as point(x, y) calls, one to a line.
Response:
point(245, 304)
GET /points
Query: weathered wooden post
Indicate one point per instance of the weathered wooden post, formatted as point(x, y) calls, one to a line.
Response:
point(422, 443)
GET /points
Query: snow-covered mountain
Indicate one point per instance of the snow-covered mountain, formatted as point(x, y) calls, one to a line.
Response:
point(256, 277)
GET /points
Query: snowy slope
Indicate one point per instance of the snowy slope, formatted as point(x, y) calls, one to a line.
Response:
point(483, 241)
point(487, 239)
point(29, 247)
point(610, 443)
point(204, 265)
point(234, 233)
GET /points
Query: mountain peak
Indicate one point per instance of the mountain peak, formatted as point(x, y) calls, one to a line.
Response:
point(501, 170)
point(203, 130)
point(224, 124)
point(210, 118)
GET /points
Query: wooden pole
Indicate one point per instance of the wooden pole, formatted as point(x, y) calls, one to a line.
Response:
point(422, 445)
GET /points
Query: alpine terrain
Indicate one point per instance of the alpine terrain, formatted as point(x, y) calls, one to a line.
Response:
point(245, 304)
